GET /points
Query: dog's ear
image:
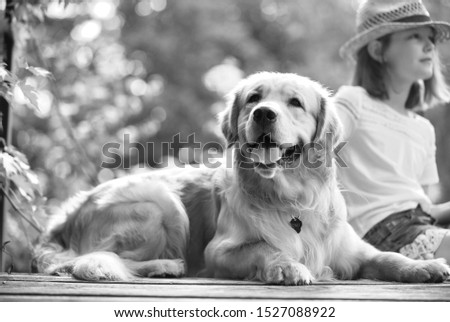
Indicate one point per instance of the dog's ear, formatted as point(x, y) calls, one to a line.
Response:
point(228, 119)
point(328, 124)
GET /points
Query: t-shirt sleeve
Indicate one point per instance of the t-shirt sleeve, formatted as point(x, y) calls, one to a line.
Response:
point(430, 173)
point(348, 105)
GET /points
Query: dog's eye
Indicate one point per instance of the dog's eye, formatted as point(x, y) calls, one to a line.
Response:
point(254, 98)
point(295, 102)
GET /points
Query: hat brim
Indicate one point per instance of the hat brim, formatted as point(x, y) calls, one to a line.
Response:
point(351, 47)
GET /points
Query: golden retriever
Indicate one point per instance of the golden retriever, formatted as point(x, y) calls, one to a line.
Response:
point(276, 216)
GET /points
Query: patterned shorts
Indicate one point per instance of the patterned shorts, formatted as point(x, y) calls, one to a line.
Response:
point(425, 245)
point(411, 233)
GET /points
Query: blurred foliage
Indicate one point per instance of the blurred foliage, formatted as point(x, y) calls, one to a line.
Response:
point(145, 70)
point(20, 187)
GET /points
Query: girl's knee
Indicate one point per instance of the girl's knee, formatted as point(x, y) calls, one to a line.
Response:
point(443, 251)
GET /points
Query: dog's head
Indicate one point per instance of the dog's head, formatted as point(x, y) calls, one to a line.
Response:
point(279, 121)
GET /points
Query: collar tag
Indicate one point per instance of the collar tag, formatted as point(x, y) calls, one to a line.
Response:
point(296, 224)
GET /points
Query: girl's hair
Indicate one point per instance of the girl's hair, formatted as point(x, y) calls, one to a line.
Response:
point(370, 73)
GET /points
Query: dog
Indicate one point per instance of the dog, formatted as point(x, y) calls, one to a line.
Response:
point(277, 216)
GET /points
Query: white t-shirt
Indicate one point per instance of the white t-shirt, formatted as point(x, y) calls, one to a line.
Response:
point(389, 157)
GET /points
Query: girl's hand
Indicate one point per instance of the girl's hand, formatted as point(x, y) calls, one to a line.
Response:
point(441, 213)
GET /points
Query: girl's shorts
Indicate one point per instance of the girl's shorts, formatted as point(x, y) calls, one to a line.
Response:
point(409, 232)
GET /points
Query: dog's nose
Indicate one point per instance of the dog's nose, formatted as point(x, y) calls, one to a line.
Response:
point(264, 114)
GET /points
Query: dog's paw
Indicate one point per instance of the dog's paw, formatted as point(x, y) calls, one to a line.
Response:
point(291, 273)
point(426, 271)
point(59, 270)
point(165, 268)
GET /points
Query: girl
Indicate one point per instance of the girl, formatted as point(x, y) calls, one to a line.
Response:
point(390, 154)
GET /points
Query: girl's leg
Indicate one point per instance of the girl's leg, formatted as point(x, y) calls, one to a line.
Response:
point(444, 248)
point(432, 243)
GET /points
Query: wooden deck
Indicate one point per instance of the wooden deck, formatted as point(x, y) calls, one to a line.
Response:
point(36, 287)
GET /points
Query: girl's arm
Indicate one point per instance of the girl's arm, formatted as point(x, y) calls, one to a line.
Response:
point(441, 212)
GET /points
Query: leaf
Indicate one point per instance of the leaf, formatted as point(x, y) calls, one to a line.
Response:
point(32, 178)
point(28, 183)
point(7, 76)
point(38, 207)
point(21, 12)
point(6, 93)
point(11, 165)
point(4, 73)
point(10, 149)
point(30, 93)
point(36, 11)
point(4, 245)
point(24, 187)
point(22, 62)
point(17, 170)
point(40, 72)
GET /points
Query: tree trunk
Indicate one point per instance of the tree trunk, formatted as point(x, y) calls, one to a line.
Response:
point(6, 53)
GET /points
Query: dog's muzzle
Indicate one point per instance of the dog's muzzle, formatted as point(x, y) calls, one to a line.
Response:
point(268, 153)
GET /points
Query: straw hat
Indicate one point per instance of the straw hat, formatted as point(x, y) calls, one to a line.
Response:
point(377, 18)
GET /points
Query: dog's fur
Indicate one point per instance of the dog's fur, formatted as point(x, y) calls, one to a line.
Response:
point(233, 223)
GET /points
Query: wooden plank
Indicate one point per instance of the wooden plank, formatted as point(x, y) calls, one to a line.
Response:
point(185, 280)
point(168, 281)
point(378, 292)
point(26, 298)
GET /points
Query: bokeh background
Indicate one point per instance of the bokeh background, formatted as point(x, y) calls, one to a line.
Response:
point(149, 69)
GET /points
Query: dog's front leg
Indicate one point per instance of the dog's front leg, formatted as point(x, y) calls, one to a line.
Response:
point(255, 261)
point(355, 258)
point(390, 266)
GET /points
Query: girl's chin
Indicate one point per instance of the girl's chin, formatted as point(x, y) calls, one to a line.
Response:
point(425, 74)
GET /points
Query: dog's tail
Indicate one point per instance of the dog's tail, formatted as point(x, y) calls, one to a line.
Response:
point(52, 256)
point(52, 259)
point(58, 251)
